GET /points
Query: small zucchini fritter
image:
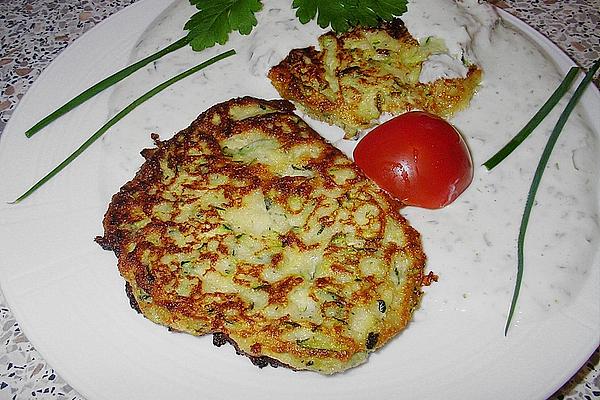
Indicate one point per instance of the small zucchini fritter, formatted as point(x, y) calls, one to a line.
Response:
point(249, 226)
point(358, 75)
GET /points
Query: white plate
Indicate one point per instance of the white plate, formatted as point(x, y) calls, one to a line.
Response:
point(69, 299)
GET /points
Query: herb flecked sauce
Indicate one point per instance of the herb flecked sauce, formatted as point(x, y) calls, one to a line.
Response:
point(470, 244)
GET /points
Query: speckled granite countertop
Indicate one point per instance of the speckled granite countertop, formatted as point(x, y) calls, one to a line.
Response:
point(32, 34)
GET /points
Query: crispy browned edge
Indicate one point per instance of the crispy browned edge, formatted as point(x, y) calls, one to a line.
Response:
point(219, 339)
point(293, 87)
point(113, 237)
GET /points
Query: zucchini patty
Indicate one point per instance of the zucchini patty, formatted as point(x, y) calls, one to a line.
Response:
point(358, 75)
point(249, 226)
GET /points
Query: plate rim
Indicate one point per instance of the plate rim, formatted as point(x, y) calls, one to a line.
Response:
point(534, 35)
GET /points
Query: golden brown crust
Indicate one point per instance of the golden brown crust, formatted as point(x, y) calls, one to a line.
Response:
point(247, 224)
point(358, 75)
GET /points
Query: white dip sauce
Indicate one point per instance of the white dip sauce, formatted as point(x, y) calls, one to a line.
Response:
point(470, 244)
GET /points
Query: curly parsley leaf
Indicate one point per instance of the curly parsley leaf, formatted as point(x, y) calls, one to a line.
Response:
point(216, 19)
point(345, 14)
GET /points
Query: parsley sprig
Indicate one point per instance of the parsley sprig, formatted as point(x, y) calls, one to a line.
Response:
point(344, 14)
point(215, 20)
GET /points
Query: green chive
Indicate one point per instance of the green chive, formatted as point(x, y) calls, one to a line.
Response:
point(104, 84)
point(535, 120)
point(537, 177)
point(118, 117)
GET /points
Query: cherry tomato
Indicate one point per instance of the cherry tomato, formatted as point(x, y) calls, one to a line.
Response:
point(417, 158)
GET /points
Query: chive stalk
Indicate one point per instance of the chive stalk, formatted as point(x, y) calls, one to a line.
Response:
point(104, 84)
point(535, 120)
point(537, 177)
point(118, 117)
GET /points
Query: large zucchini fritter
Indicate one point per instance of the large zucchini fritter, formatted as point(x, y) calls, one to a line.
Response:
point(358, 75)
point(248, 225)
